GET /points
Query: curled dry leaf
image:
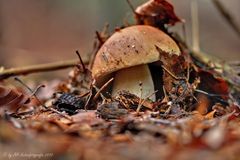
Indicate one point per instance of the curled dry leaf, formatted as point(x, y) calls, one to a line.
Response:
point(215, 87)
point(11, 99)
point(156, 13)
point(213, 84)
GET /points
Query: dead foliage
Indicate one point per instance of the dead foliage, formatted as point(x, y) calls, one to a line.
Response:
point(197, 114)
point(12, 99)
point(156, 13)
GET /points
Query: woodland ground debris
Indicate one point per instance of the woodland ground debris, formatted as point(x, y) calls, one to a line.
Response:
point(197, 114)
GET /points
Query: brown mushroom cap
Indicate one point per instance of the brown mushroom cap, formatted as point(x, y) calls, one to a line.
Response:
point(132, 46)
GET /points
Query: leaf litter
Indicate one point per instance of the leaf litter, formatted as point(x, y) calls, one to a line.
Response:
point(197, 115)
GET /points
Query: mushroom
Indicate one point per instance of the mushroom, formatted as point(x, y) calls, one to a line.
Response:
point(127, 53)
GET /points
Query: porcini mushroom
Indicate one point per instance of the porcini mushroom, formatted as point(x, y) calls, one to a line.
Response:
point(127, 53)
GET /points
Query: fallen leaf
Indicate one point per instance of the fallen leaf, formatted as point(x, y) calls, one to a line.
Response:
point(11, 99)
point(156, 13)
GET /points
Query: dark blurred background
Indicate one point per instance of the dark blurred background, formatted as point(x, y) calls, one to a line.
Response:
point(39, 31)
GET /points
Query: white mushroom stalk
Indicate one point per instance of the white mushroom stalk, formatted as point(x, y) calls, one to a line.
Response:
point(129, 78)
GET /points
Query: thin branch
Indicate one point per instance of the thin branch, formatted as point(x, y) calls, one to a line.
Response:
point(81, 61)
point(131, 6)
point(84, 94)
point(99, 37)
point(172, 75)
point(184, 30)
point(195, 26)
point(234, 63)
point(38, 100)
point(6, 73)
point(103, 35)
point(102, 88)
point(227, 16)
point(141, 102)
point(88, 100)
point(211, 94)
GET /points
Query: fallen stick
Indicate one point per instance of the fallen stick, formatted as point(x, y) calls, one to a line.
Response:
point(6, 73)
point(227, 16)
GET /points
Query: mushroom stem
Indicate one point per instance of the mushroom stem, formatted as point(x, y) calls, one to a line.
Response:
point(129, 79)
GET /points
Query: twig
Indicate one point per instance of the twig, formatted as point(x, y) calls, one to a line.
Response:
point(6, 73)
point(99, 37)
point(101, 95)
point(234, 63)
point(215, 96)
point(81, 61)
point(84, 94)
point(35, 91)
point(227, 16)
point(141, 89)
point(140, 99)
point(89, 95)
point(210, 94)
point(184, 30)
point(102, 88)
point(131, 6)
point(165, 98)
point(88, 100)
point(144, 100)
point(171, 74)
point(34, 94)
point(195, 26)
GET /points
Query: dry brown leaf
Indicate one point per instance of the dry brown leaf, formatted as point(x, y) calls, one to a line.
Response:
point(156, 13)
point(11, 99)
